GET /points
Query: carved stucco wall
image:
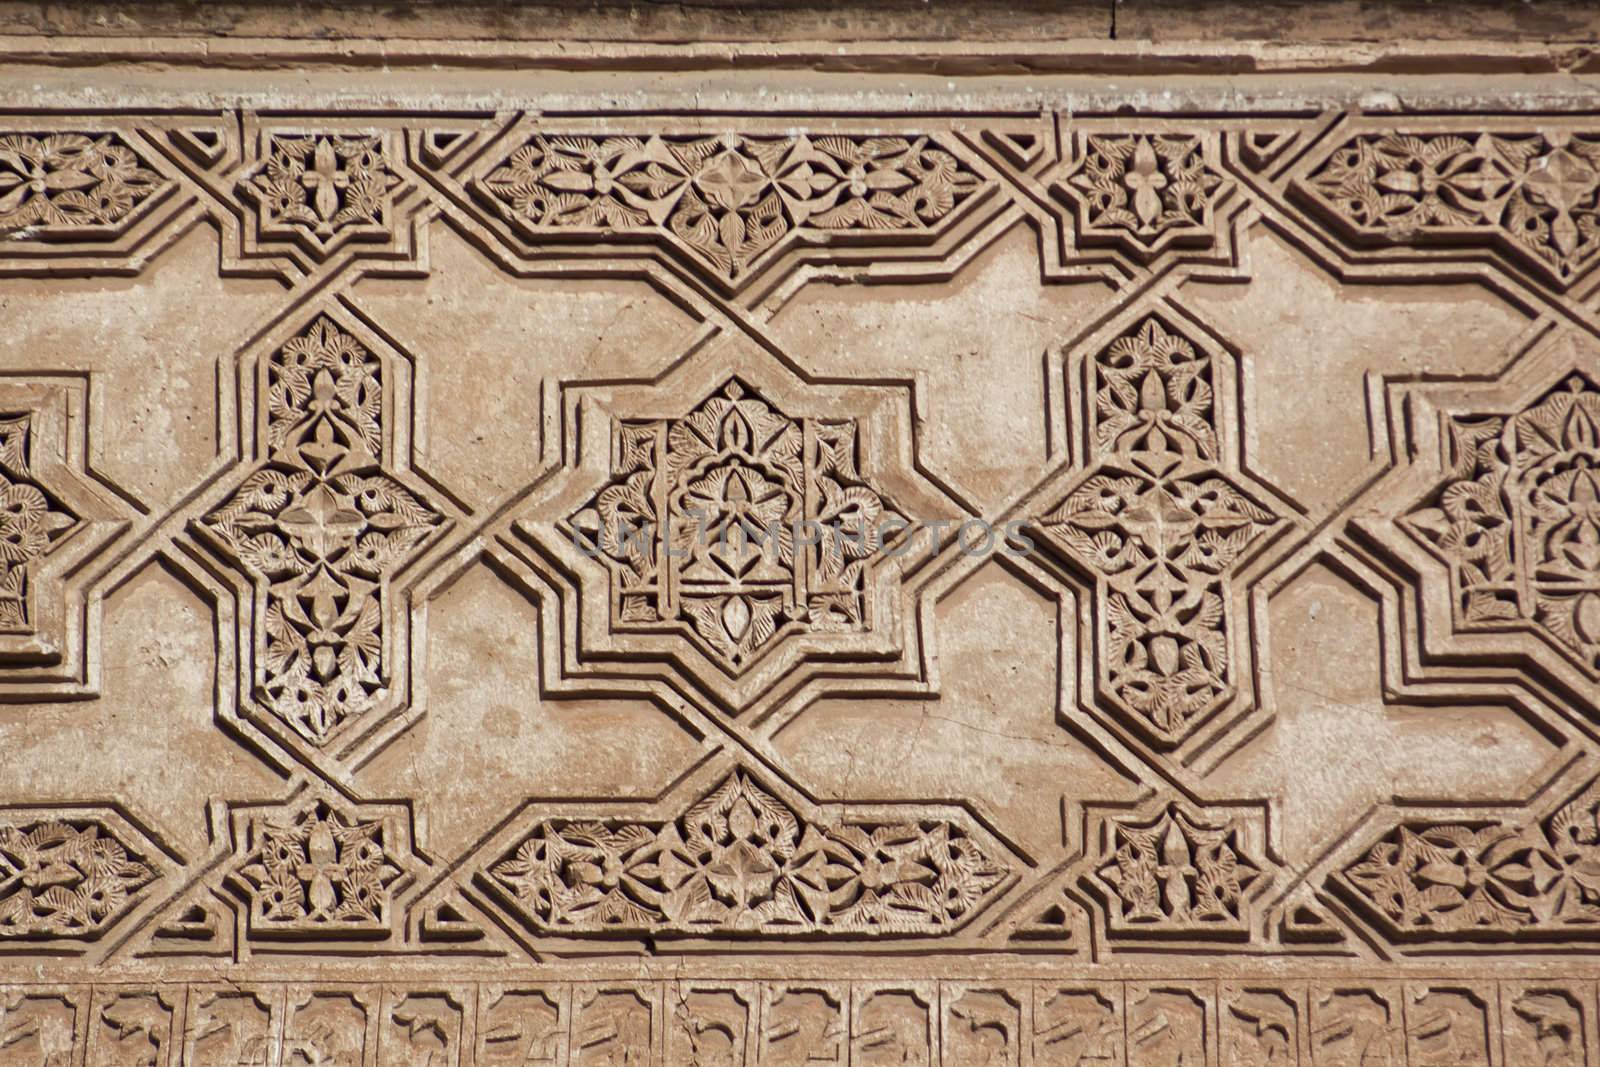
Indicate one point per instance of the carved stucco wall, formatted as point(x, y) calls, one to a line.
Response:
point(1060, 540)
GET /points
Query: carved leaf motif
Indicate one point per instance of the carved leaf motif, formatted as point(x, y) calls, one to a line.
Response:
point(739, 859)
point(316, 869)
point(322, 186)
point(731, 200)
point(322, 524)
point(1178, 873)
point(1161, 525)
point(1495, 879)
point(1534, 194)
point(64, 878)
point(1143, 190)
point(68, 181)
point(1517, 520)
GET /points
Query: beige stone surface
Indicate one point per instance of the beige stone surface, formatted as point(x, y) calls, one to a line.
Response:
point(752, 534)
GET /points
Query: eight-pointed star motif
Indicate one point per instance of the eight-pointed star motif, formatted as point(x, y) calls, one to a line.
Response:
point(737, 526)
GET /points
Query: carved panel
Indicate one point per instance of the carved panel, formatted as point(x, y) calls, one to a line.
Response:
point(319, 524)
point(425, 1026)
point(804, 1024)
point(731, 201)
point(704, 527)
point(70, 875)
point(57, 520)
point(1528, 193)
point(752, 531)
point(319, 869)
point(1502, 483)
point(83, 192)
point(1161, 525)
point(131, 1025)
point(1145, 190)
point(583, 553)
point(1171, 870)
point(523, 1026)
point(739, 860)
point(1502, 878)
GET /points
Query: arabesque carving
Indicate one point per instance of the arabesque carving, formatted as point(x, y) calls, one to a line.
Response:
point(1161, 523)
point(737, 524)
point(52, 184)
point(1146, 191)
point(1497, 516)
point(1485, 879)
point(318, 869)
point(30, 520)
point(1178, 871)
point(324, 188)
point(731, 200)
point(734, 530)
point(741, 861)
point(1534, 195)
point(1519, 519)
point(320, 524)
point(313, 870)
point(66, 876)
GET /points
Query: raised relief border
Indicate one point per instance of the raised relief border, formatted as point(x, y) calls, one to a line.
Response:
point(1421, 1021)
